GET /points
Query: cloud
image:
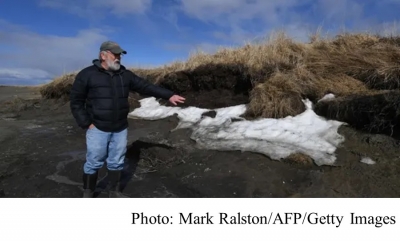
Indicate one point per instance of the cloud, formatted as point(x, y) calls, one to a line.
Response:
point(137, 14)
point(24, 73)
point(94, 8)
point(202, 47)
point(234, 12)
point(241, 20)
point(30, 55)
point(25, 76)
point(123, 6)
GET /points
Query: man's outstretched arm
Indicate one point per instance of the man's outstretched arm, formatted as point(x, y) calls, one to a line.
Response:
point(144, 87)
point(78, 97)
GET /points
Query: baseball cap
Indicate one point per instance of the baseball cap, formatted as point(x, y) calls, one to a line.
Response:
point(113, 47)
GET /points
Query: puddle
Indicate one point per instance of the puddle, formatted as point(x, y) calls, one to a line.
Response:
point(131, 172)
point(164, 192)
point(62, 179)
point(9, 119)
point(74, 156)
point(32, 126)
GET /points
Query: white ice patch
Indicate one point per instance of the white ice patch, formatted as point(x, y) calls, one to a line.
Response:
point(327, 97)
point(367, 160)
point(305, 133)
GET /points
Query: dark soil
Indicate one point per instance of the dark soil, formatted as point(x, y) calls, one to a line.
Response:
point(379, 113)
point(42, 152)
point(210, 77)
point(211, 85)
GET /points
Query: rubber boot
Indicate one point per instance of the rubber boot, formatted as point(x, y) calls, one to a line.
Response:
point(114, 178)
point(89, 184)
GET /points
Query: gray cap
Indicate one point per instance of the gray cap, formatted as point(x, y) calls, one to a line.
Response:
point(113, 47)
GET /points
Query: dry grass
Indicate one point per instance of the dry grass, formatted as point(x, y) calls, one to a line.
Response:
point(17, 105)
point(282, 71)
point(59, 87)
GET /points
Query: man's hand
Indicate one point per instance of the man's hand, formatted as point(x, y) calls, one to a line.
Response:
point(91, 126)
point(175, 99)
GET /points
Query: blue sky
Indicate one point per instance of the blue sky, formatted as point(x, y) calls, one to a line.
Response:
point(41, 39)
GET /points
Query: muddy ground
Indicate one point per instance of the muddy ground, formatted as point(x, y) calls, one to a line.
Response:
point(42, 152)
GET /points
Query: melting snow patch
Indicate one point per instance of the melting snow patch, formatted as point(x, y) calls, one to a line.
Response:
point(306, 133)
point(367, 160)
point(327, 97)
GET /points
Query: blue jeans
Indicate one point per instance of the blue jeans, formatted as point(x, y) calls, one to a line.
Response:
point(109, 147)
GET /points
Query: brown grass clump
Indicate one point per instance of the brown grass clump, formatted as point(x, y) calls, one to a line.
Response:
point(59, 88)
point(299, 158)
point(363, 57)
point(17, 105)
point(274, 76)
point(281, 95)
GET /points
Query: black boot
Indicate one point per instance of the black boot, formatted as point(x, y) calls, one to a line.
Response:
point(89, 184)
point(114, 178)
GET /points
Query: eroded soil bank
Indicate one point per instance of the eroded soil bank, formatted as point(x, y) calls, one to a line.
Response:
point(42, 152)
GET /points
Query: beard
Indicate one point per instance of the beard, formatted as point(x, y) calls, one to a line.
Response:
point(113, 65)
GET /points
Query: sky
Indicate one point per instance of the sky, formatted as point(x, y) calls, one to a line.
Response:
point(43, 39)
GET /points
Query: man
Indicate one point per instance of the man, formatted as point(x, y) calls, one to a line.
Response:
point(99, 103)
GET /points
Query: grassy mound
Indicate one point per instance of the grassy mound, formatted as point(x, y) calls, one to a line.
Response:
point(274, 76)
point(59, 87)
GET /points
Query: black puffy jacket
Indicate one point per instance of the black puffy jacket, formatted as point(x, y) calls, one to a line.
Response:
point(100, 97)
